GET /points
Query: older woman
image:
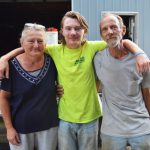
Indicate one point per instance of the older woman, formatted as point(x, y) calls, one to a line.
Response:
point(28, 98)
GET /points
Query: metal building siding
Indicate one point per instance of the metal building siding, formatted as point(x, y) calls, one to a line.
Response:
point(91, 10)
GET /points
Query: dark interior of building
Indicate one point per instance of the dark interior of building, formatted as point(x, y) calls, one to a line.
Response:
point(14, 15)
point(126, 23)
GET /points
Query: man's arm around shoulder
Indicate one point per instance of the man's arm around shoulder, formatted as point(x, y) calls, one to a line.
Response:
point(4, 67)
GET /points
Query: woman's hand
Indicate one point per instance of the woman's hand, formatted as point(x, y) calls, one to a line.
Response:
point(13, 136)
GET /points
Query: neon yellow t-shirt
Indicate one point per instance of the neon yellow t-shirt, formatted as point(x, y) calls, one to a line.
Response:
point(79, 104)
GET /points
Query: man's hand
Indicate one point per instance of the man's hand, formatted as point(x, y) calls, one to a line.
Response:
point(13, 136)
point(59, 90)
point(4, 68)
point(142, 63)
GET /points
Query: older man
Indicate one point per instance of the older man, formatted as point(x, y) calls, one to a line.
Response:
point(126, 119)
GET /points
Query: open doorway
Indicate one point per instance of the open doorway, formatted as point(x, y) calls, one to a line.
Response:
point(129, 22)
point(14, 15)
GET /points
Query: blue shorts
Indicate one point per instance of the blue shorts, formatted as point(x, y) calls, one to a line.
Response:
point(120, 143)
point(78, 136)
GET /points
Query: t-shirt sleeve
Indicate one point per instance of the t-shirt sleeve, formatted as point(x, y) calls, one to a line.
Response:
point(102, 45)
point(52, 49)
point(146, 80)
point(48, 50)
point(97, 63)
point(6, 85)
point(97, 46)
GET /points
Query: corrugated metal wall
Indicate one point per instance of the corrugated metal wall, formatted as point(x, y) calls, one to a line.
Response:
point(91, 10)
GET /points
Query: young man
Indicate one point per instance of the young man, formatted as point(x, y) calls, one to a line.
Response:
point(78, 107)
point(125, 117)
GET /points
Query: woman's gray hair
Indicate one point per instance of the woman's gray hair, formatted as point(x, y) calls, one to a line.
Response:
point(30, 27)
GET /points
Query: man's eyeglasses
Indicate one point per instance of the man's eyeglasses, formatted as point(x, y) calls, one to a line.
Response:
point(34, 25)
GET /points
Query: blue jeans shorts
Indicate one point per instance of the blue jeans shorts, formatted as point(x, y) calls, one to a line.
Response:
point(120, 143)
point(75, 136)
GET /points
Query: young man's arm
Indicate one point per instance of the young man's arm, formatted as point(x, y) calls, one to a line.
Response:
point(12, 135)
point(142, 61)
point(4, 67)
point(146, 96)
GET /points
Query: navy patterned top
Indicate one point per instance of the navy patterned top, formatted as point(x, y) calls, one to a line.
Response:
point(33, 98)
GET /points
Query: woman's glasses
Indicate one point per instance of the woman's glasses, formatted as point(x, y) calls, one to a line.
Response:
point(34, 25)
